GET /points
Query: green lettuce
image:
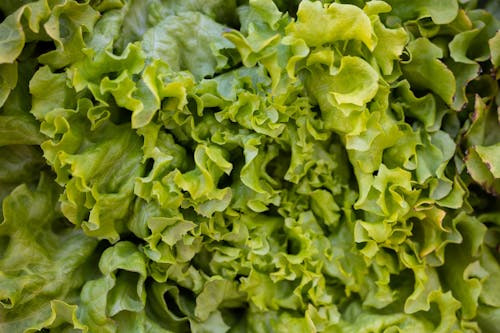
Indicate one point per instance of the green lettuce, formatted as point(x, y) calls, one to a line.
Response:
point(249, 166)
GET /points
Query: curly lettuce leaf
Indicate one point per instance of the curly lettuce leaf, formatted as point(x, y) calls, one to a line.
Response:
point(423, 68)
point(229, 166)
point(44, 260)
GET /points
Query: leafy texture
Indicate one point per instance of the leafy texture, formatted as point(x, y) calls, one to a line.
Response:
point(249, 166)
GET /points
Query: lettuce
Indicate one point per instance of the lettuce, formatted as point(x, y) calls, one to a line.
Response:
point(249, 166)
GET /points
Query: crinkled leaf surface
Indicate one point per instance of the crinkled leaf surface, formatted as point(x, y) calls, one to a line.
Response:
point(249, 166)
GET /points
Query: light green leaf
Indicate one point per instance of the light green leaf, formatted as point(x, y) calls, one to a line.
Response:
point(425, 66)
point(441, 12)
point(176, 40)
point(216, 293)
point(390, 45)
point(483, 167)
point(356, 82)
point(494, 44)
point(34, 234)
point(339, 23)
point(8, 80)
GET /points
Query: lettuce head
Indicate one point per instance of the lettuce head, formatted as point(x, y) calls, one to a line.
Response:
point(249, 166)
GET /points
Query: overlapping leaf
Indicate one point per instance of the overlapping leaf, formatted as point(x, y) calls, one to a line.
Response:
point(260, 166)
